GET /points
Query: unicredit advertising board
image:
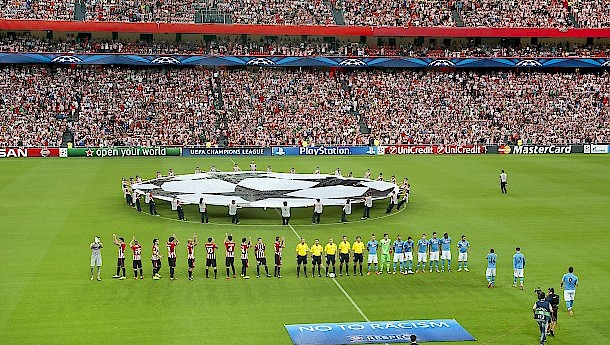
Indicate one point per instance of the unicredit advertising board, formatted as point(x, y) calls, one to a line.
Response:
point(432, 149)
point(540, 149)
point(324, 151)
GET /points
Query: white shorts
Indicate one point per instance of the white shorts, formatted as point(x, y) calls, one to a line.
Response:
point(446, 255)
point(434, 256)
point(463, 257)
point(96, 261)
point(372, 259)
point(491, 272)
point(409, 256)
point(399, 257)
point(518, 273)
point(422, 257)
point(568, 295)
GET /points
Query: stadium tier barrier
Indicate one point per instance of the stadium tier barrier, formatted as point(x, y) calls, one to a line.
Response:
point(288, 61)
point(297, 30)
point(122, 152)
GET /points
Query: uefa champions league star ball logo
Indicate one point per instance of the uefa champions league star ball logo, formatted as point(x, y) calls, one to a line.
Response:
point(441, 63)
point(352, 63)
point(262, 189)
point(67, 59)
point(528, 63)
point(165, 60)
point(260, 62)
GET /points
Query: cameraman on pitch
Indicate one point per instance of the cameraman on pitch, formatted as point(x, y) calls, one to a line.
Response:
point(553, 299)
point(542, 314)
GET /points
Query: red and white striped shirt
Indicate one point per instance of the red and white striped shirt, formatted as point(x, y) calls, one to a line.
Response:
point(244, 250)
point(190, 248)
point(210, 249)
point(122, 250)
point(171, 250)
point(230, 247)
point(155, 252)
point(278, 248)
point(137, 252)
point(259, 250)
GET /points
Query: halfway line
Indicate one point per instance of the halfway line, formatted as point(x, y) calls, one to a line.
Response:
point(334, 280)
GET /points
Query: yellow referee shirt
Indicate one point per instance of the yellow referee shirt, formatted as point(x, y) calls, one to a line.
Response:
point(358, 247)
point(316, 250)
point(302, 249)
point(344, 247)
point(330, 249)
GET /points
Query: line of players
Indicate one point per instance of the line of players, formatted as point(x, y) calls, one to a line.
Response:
point(380, 253)
point(210, 246)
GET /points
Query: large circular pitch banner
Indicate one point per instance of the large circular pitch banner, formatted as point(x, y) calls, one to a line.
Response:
point(263, 189)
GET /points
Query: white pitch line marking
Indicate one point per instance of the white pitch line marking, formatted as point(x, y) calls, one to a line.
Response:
point(349, 298)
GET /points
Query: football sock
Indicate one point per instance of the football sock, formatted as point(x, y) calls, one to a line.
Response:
point(190, 274)
point(465, 264)
point(141, 272)
point(227, 272)
point(258, 270)
point(313, 271)
point(266, 269)
point(448, 264)
point(171, 272)
point(298, 270)
point(521, 280)
point(514, 280)
point(123, 268)
point(215, 272)
point(360, 270)
point(207, 272)
point(135, 273)
point(118, 269)
point(488, 278)
point(278, 272)
point(326, 270)
point(91, 272)
point(319, 268)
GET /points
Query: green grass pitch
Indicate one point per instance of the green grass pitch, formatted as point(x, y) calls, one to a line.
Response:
point(50, 209)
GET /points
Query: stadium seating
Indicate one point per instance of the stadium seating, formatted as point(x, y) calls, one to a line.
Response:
point(105, 106)
point(415, 13)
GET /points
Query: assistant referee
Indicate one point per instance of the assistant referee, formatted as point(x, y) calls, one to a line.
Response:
point(302, 250)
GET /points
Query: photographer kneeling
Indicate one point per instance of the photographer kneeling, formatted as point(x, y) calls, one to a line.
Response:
point(553, 299)
point(542, 314)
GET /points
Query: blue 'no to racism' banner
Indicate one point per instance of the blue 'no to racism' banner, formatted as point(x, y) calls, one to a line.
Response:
point(377, 332)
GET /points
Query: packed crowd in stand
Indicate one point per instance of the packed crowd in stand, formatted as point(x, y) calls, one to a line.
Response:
point(37, 9)
point(108, 106)
point(172, 11)
point(515, 13)
point(417, 13)
point(397, 13)
point(279, 12)
point(293, 47)
point(105, 106)
point(592, 13)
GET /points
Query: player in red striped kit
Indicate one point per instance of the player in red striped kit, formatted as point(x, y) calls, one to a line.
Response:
point(190, 249)
point(137, 258)
point(278, 246)
point(245, 244)
point(120, 264)
point(210, 258)
point(230, 254)
point(172, 242)
point(259, 253)
point(156, 259)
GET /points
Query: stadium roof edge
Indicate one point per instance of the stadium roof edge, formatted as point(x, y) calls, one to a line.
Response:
point(297, 30)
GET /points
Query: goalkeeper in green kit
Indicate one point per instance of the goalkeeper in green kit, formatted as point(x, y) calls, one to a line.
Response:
point(386, 249)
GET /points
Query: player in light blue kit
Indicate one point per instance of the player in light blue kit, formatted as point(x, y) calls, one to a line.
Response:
point(422, 253)
point(446, 252)
point(399, 256)
point(518, 267)
point(371, 247)
point(407, 247)
point(569, 282)
point(491, 268)
point(435, 247)
point(463, 249)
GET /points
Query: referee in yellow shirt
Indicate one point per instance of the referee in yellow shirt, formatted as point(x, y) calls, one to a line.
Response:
point(302, 250)
point(358, 248)
point(330, 249)
point(316, 257)
point(344, 248)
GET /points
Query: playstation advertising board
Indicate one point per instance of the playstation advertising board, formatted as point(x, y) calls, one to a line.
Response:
point(324, 151)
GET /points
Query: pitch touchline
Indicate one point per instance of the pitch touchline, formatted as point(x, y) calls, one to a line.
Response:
point(334, 280)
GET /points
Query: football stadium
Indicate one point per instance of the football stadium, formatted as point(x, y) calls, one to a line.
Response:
point(306, 172)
